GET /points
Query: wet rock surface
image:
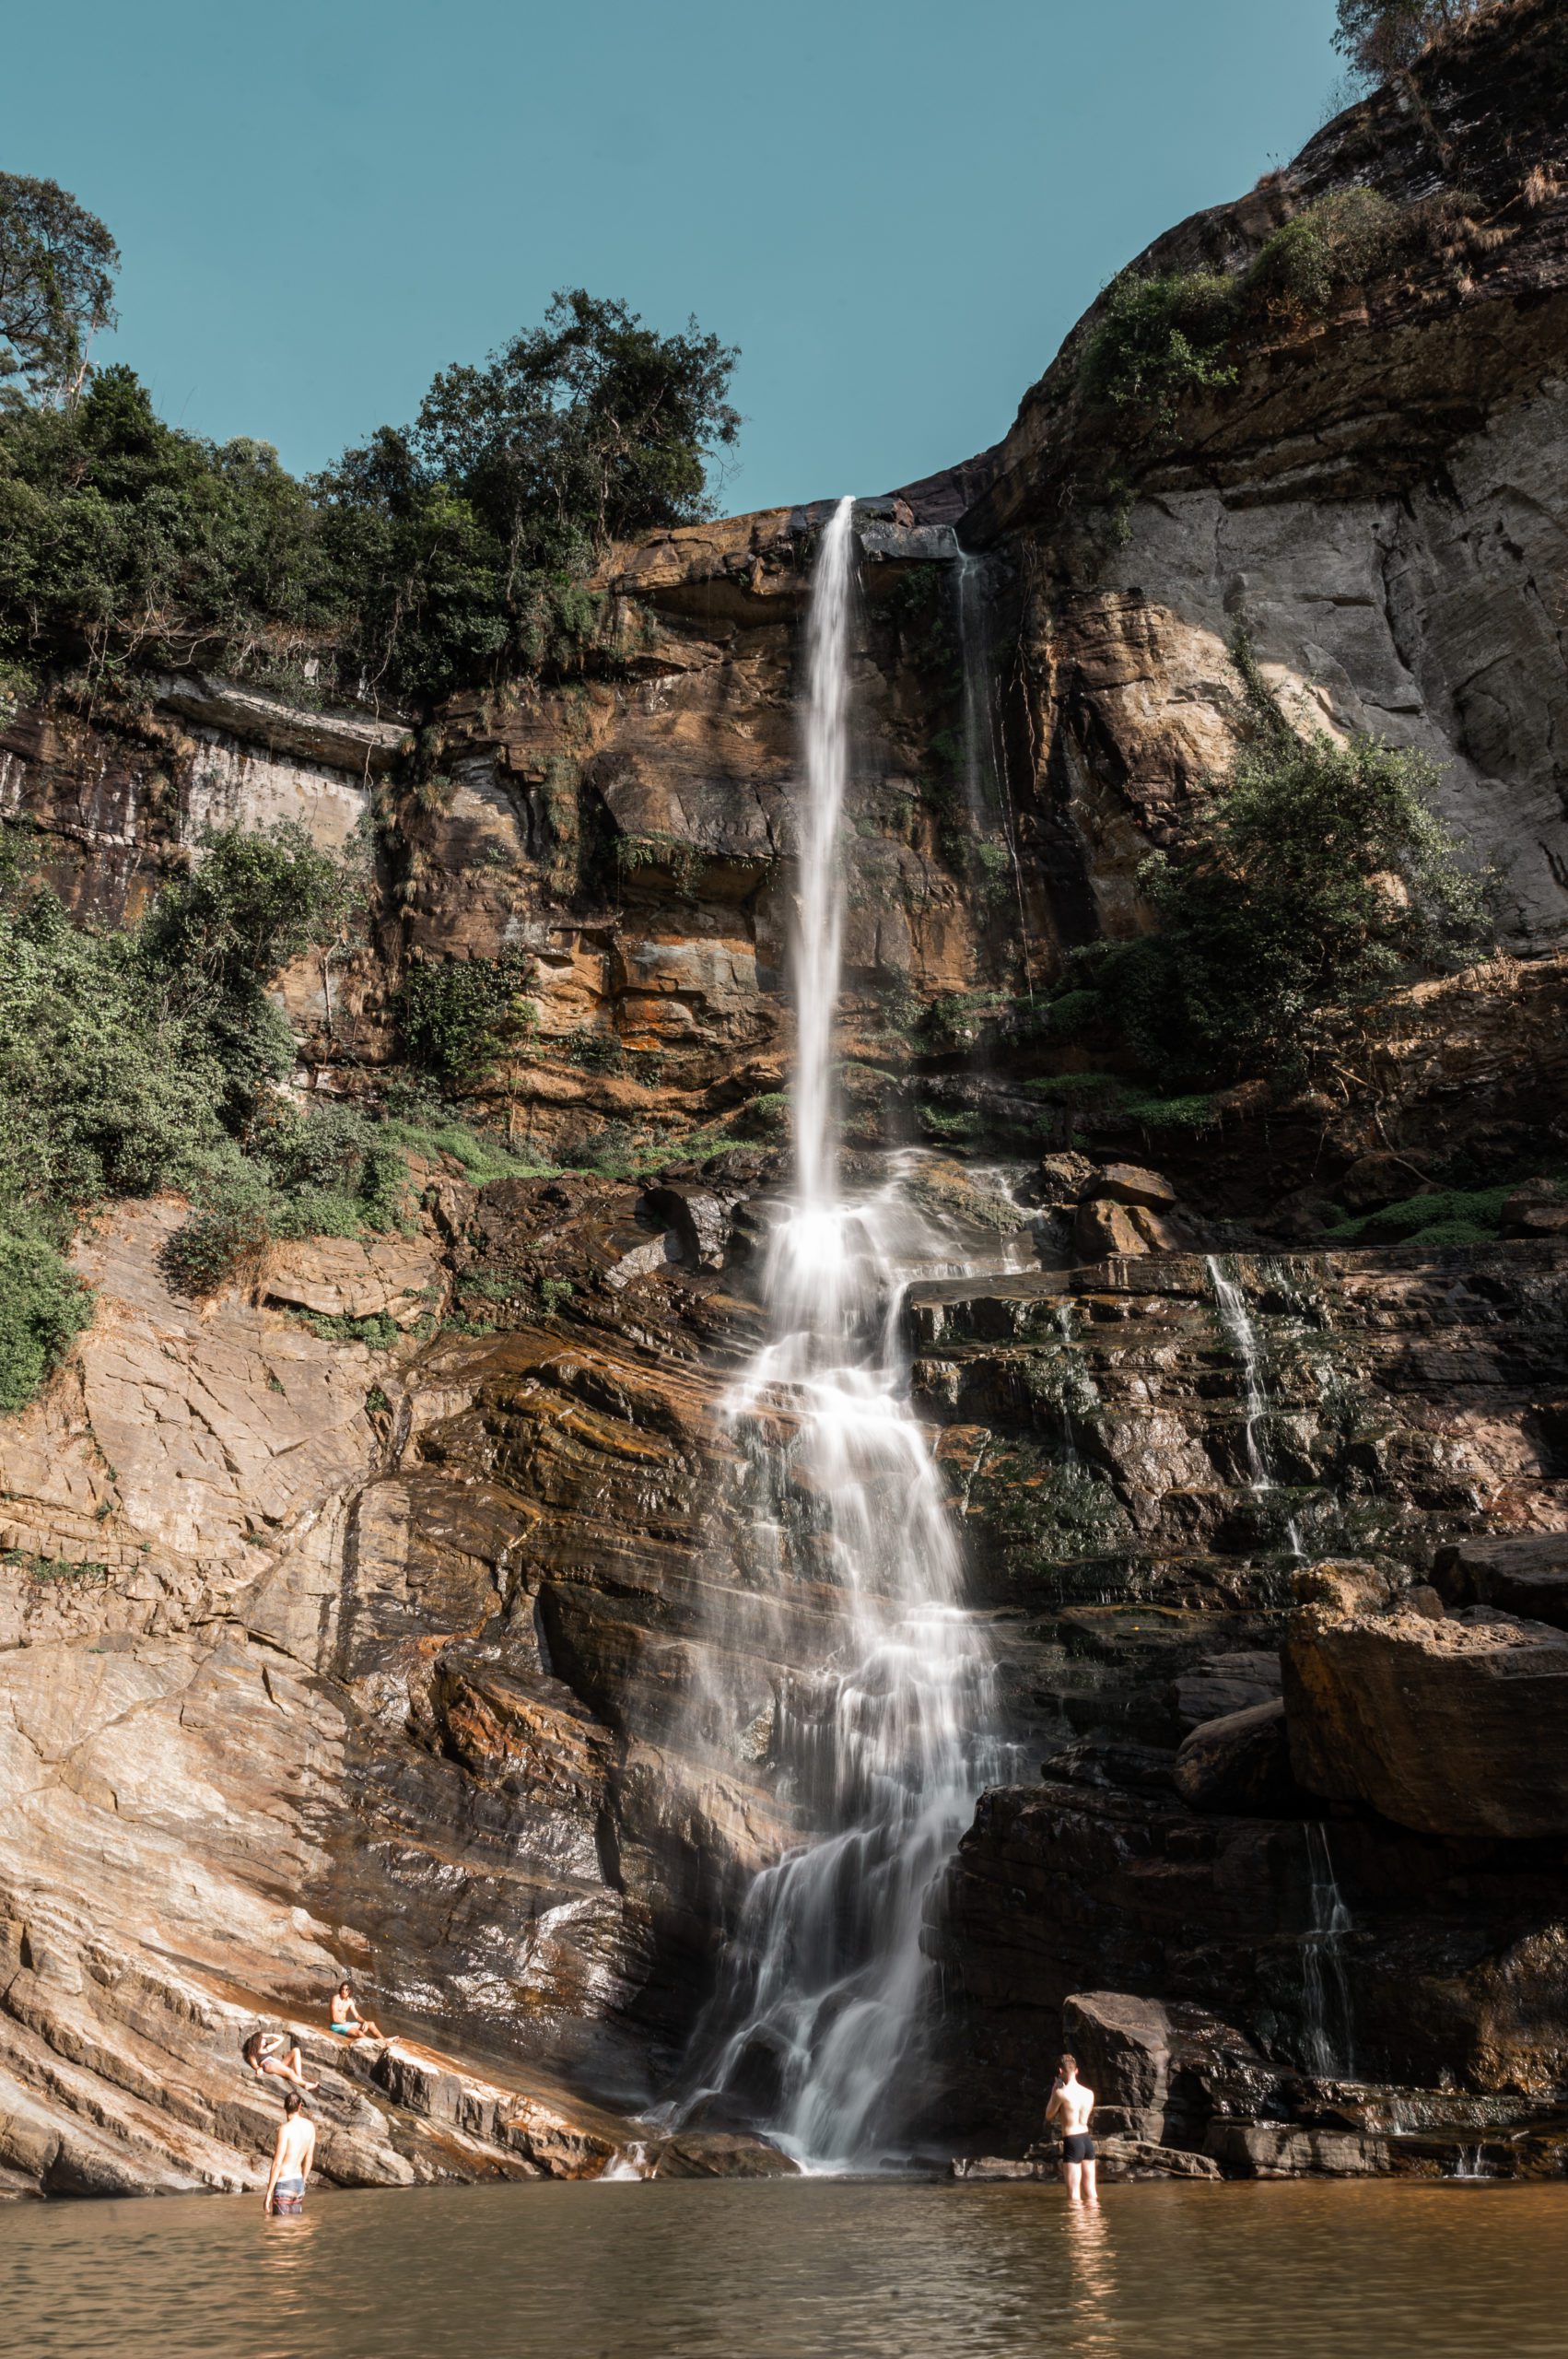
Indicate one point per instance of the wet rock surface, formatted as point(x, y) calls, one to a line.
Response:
point(1173, 1853)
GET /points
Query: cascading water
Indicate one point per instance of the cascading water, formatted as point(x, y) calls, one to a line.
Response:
point(1236, 1320)
point(984, 770)
point(815, 2031)
point(981, 763)
point(1327, 2044)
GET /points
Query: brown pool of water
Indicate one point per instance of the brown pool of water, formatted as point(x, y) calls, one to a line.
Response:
point(810, 2268)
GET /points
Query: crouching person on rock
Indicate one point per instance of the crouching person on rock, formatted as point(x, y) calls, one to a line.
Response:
point(1070, 2106)
point(291, 2160)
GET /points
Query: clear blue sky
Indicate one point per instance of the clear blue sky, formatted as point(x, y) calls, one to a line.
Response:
point(897, 208)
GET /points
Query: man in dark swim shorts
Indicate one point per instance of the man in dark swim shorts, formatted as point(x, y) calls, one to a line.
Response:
point(1070, 2106)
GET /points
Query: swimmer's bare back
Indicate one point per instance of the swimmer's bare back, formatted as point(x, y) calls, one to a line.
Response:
point(1071, 2104)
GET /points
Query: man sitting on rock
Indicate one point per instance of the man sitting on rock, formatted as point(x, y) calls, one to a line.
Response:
point(1070, 2106)
point(347, 2020)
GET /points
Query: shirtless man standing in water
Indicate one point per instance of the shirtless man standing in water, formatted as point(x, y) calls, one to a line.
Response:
point(292, 2157)
point(1070, 2106)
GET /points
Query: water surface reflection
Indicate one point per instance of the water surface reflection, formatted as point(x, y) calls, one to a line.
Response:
point(813, 2270)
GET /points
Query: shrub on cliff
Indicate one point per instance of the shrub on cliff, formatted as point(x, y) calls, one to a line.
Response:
point(149, 1059)
point(1381, 36)
point(1346, 239)
point(1159, 337)
point(1314, 874)
point(42, 1305)
point(460, 1018)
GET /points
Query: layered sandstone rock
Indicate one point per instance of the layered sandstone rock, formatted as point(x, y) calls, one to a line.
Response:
point(1457, 1728)
point(313, 1661)
point(1376, 500)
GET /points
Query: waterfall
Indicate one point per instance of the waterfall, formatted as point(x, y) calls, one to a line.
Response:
point(981, 763)
point(819, 909)
point(814, 2033)
point(1326, 1991)
point(1236, 1320)
point(986, 796)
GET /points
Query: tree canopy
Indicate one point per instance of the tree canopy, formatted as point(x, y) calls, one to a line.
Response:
point(464, 530)
point(1381, 36)
point(434, 557)
point(57, 266)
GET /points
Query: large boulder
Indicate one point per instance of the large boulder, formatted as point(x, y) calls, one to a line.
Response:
point(1524, 1572)
point(1456, 1727)
point(1281, 2150)
point(718, 2154)
point(1133, 1184)
point(1161, 2071)
point(1240, 1762)
point(699, 1219)
point(1536, 1209)
point(1217, 1685)
point(1103, 1228)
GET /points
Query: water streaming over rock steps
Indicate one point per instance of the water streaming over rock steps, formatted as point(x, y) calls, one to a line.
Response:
point(1230, 1301)
point(814, 2034)
point(1329, 2044)
point(986, 792)
point(1326, 2042)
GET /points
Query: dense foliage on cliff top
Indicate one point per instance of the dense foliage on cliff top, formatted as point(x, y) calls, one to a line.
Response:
point(438, 555)
point(1313, 875)
point(151, 1058)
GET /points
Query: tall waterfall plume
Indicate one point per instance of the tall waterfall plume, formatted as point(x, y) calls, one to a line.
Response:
point(816, 2032)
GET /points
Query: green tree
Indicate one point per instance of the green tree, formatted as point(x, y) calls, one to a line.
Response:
point(120, 528)
point(589, 429)
point(1382, 36)
point(465, 534)
point(57, 266)
point(1314, 874)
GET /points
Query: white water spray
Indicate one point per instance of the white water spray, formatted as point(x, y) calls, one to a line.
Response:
point(1327, 2046)
point(1236, 1320)
point(816, 2032)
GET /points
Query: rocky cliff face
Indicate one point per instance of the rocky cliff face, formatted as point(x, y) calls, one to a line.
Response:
point(625, 833)
point(452, 1661)
point(1133, 1548)
point(1378, 498)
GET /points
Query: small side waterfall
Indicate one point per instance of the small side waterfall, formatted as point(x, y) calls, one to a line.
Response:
point(814, 2033)
point(981, 762)
point(1328, 2044)
point(985, 768)
point(1236, 1320)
